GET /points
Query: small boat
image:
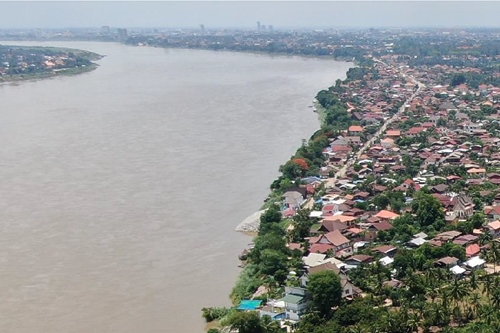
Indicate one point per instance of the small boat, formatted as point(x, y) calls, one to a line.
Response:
point(314, 109)
point(310, 106)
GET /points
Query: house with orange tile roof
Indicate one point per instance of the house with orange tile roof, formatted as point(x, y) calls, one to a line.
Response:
point(476, 172)
point(355, 130)
point(386, 215)
point(348, 220)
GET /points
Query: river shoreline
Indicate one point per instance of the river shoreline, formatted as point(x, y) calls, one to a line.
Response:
point(47, 75)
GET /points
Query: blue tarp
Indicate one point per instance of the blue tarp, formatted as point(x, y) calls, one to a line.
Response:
point(249, 304)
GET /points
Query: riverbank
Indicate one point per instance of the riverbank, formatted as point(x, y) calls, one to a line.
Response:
point(47, 75)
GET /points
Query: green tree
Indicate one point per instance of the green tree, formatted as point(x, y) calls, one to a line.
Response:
point(457, 79)
point(325, 291)
point(272, 261)
point(302, 224)
point(246, 322)
point(427, 208)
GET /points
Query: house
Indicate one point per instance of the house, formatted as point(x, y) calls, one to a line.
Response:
point(334, 241)
point(477, 172)
point(386, 261)
point(386, 215)
point(457, 271)
point(355, 140)
point(475, 263)
point(330, 209)
point(447, 262)
point(373, 229)
point(386, 250)
point(416, 242)
point(472, 250)
point(314, 259)
point(393, 134)
point(347, 220)
point(406, 185)
point(414, 131)
point(493, 228)
point(295, 302)
point(387, 143)
point(361, 196)
point(355, 130)
point(339, 142)
point(329, 226)
point(465, 240)
point(293, 199)
point(447, 236)
point(358, 259)
point(492, 213)
point(440, 188)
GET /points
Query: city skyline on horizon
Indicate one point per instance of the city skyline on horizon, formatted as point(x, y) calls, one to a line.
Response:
point(244, 14)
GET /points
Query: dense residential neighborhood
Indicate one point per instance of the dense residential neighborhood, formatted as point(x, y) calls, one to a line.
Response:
point(396, 197)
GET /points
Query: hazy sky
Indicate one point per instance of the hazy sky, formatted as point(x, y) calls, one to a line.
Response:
point(244, 14)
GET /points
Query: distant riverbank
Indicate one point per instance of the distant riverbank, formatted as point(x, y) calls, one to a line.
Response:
point(31, 63)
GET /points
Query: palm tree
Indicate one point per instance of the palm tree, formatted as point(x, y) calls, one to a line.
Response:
point(475, 300)
point(495, 251)
point(485, 238)
point(444, 294)
point(473, 280)
point(457, 315)
point(431, 292)
point(413, 322)
point(495, 299)
point(488, 283)
point(487, 312)
point(432, 275)
point(458, 291)
point(439, 316)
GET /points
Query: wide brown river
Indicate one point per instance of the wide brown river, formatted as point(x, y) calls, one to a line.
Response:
point(120, 188)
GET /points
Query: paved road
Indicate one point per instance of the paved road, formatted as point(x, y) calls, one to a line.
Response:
point(330, 182)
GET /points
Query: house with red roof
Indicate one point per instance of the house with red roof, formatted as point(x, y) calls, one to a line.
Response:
point(373, 229)
point(333, 241)
point(493, 228)
point(472, 250)
point(414, 131)
point(492, 213)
